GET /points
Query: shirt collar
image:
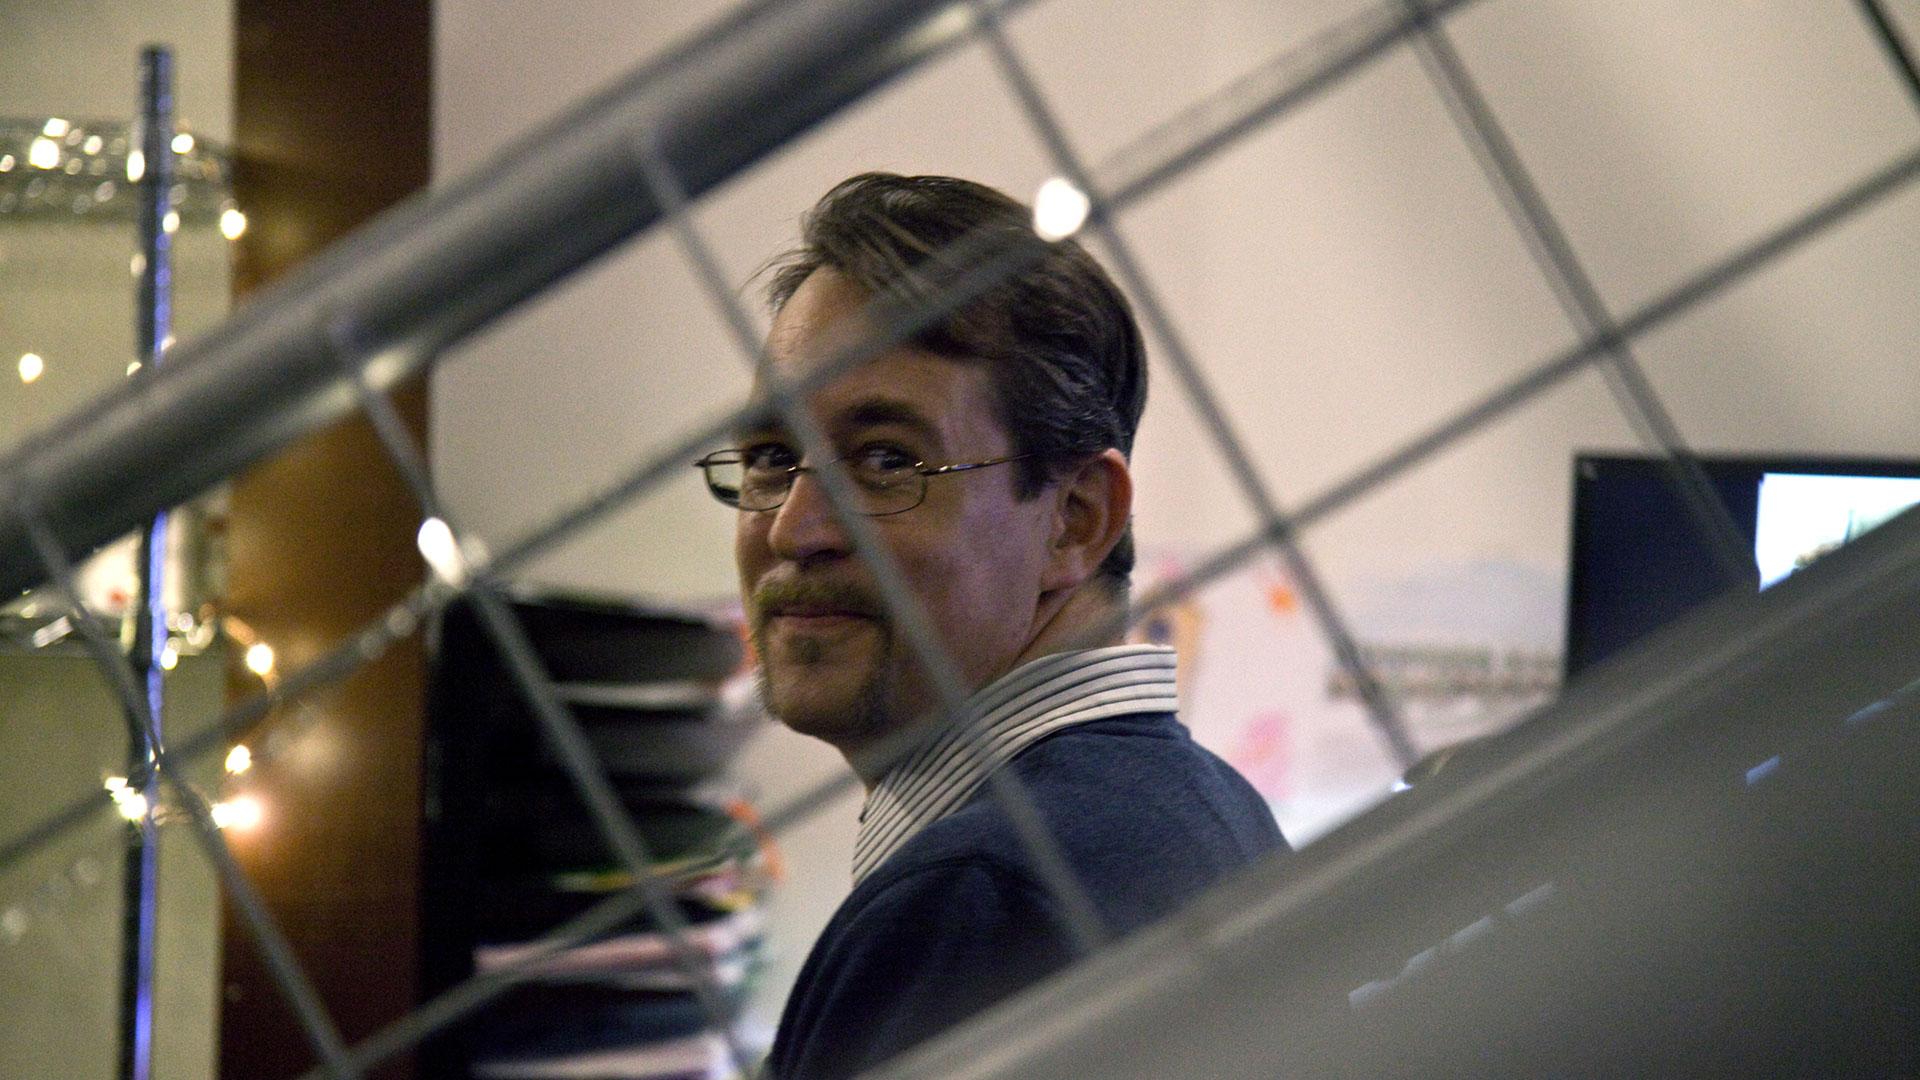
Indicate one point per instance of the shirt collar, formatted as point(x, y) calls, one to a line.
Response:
point(1006, 716)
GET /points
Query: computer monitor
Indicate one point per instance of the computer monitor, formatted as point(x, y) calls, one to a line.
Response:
point(1639, 560)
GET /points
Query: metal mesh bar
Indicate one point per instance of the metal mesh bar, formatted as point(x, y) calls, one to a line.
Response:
point(350, 318)
point(558, 724)
point(1277, 526)
point(1554, 255)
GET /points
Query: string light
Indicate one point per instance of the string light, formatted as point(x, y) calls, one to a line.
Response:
point(232, 223)
point(45, 174)
point(442, 551)
point(1059, 209)
point(259, 661)
point(240, 812)
point(132, 804)
point(44, 153)
point(239, 759)
point(31, 366)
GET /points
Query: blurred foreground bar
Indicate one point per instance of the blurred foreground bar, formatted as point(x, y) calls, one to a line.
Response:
point(1704, 860)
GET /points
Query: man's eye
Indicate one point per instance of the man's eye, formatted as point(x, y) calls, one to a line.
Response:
point(770, 457)
point(881, 460)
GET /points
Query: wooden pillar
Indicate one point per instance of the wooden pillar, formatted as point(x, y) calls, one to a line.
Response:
point(332, 105)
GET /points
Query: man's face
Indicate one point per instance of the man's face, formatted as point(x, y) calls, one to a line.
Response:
point(833, 664)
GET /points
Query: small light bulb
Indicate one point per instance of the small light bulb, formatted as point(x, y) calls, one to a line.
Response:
point(171, 222)
point(136, 166)
point(93, 144)
point(240, 812)
point(44, 153)
point(260, 659)
point(169, 656)
point(442, 551)
point(31, 367)
point(1059, 209)
point(55, 128)
point(133, 807)
point(232, 223)
point(132, 366)
point(6, 162)
point(183, 143)
point(239, 759)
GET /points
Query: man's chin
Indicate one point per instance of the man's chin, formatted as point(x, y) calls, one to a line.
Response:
point(841, 712)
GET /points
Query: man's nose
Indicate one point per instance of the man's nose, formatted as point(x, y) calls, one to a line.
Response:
point(804, 526)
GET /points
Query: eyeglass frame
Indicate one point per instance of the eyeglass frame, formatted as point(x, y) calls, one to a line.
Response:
point(919, 469)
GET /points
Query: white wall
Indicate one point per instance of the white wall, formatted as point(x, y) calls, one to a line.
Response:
point(1345, 276)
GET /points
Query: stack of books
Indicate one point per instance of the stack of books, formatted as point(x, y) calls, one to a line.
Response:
point(515, 854)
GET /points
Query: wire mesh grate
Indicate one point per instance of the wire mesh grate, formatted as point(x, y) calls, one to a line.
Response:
point(38, 495)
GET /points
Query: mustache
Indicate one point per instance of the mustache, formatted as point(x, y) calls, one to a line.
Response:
point(773, 596)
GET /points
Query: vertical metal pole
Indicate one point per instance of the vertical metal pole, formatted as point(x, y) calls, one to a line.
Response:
point(153, 142)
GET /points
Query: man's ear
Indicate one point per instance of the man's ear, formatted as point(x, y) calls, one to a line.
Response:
point(1092, 505)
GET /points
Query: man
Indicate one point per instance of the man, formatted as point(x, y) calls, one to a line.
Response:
point(990, 457)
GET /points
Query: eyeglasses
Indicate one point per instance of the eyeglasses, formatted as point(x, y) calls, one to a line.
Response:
point(885, 481)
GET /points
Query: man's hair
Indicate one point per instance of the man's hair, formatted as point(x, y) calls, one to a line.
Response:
point(1068, 366)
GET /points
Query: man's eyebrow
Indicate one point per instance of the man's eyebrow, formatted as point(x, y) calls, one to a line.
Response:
point(888, 412)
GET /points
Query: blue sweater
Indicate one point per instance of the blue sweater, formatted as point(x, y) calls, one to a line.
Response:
point(957, 920)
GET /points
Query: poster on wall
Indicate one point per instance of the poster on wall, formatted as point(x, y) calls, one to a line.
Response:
point(1461, 650)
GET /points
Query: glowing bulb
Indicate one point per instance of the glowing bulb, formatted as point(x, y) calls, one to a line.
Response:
point(55, 128)
point(44, 153)
point(169, 656)
point(239, 759)
point(132, 804)
point(1059, 209)
point(31, 366)
point(93, 144)
point(240, 812)
point(442, 551)
point(6, 162)
point(136, 166)
point(232, 223)
point(259, 660)
point(133, 366)
point(171, 223)
point(183, 143)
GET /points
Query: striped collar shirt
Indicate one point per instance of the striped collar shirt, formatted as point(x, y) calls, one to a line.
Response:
point(1010, 714)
